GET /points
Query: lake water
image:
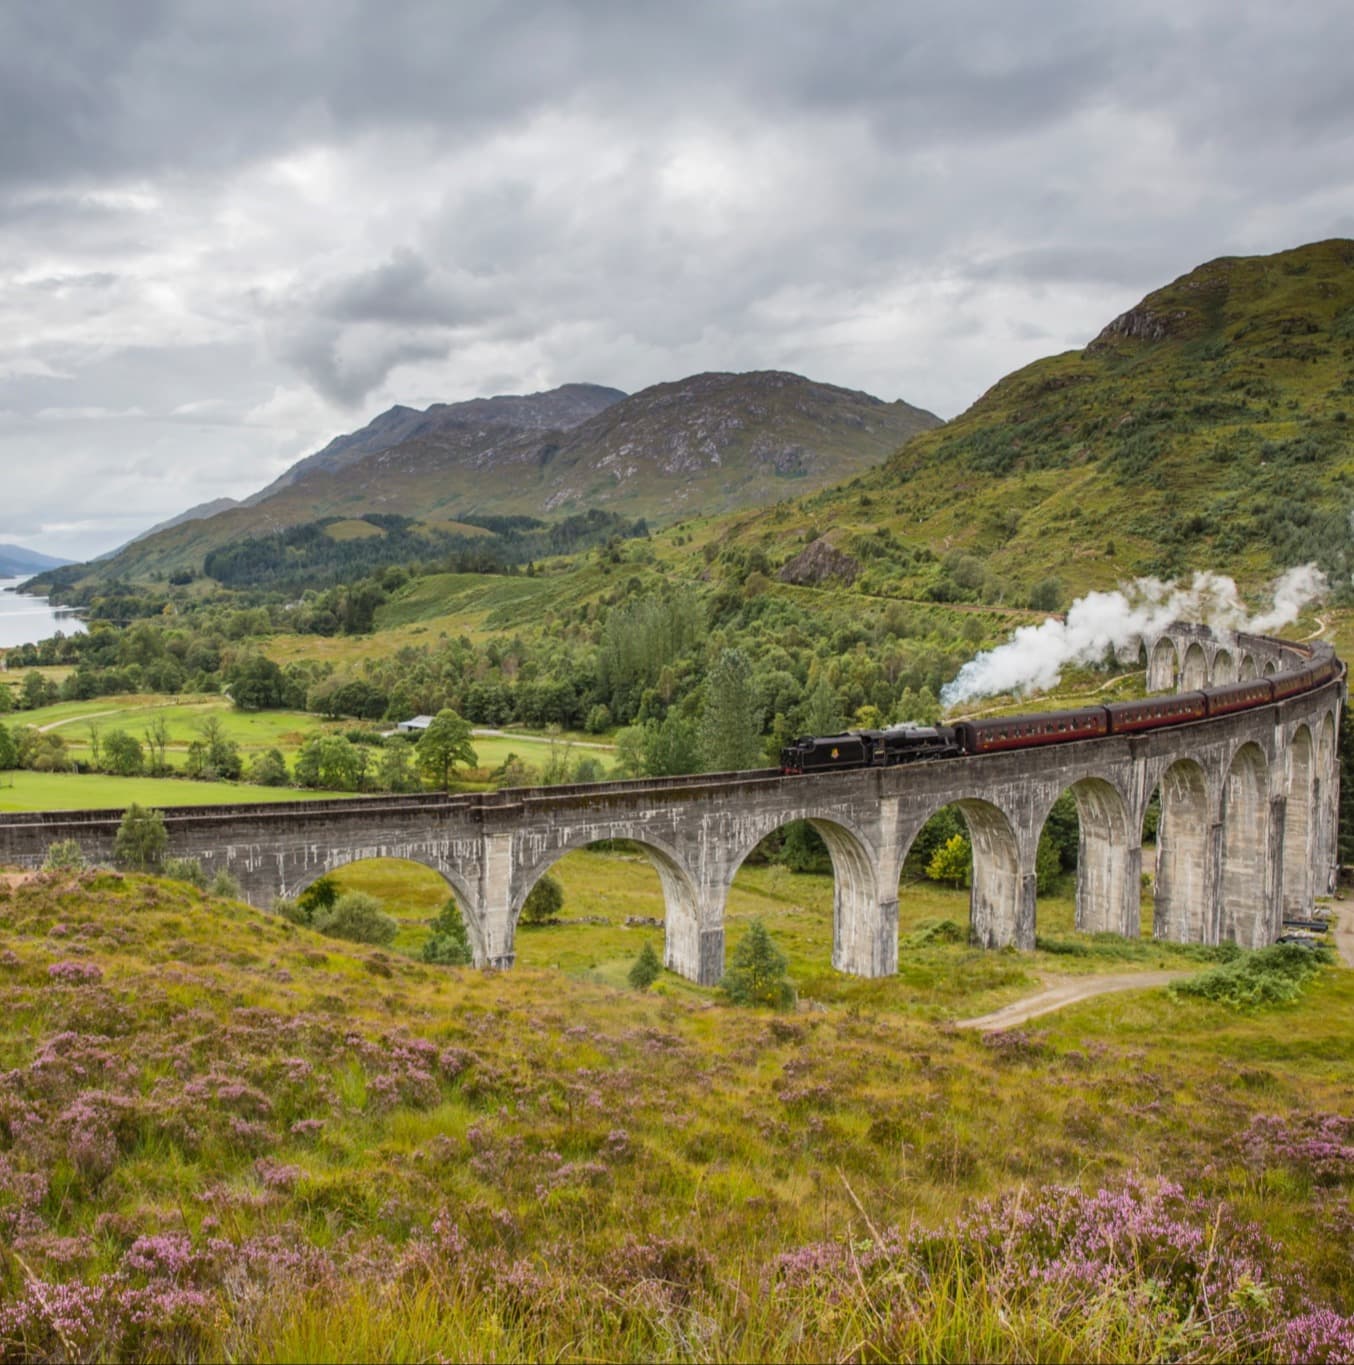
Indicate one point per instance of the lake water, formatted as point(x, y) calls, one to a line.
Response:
point(26, 620)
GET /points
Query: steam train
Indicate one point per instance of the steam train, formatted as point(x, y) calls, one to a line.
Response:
point(911, 743)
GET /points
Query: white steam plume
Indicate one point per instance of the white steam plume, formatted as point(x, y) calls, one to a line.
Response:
point(1034, 657)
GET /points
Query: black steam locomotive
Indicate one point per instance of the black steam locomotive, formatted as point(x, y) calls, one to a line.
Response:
point(911, 743)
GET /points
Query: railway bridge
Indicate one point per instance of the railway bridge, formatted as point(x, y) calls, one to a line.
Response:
point(1246, 834)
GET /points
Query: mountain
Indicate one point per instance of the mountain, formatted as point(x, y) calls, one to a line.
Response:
point(16, 561)
point(710, 443)
point(199, 513)
point(559, 408)
point(1208, 427)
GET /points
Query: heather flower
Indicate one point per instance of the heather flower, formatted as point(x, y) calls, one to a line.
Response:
point(67, 973)
point(1321, 1337)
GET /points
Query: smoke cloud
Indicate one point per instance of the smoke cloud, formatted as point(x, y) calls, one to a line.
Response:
point(1033, 658)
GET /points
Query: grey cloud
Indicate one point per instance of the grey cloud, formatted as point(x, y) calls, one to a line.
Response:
point(247, 220)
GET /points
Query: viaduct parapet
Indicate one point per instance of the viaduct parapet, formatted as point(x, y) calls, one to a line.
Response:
point(1247, 831)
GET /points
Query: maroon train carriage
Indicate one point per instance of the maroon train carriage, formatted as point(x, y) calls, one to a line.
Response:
point(1023, 732)
point(1125, 717)
point(1290, 684)
point(1239, 696)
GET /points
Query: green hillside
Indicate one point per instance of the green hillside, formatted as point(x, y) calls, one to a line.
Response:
point(1206, 428)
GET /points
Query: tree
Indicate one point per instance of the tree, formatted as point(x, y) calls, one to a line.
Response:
point(157, 741)
point(6, 698)
point(1048, 865)
point(331, 763)
point(269, 769)
point(444, 745)
point(731, 719)
point(822, 712)
point(36, 691)
point(393, 772)
point(9, 750)
point(256, 683)
point(449, 945)
point(952, 862)
point(320, 895)
point(545, 901)
point(214, 757)
point(555, 771)
point(646, 969)
point(756, 974)
point(123, 754)
point(670, 747)
point(357, 917)
point(141, 839)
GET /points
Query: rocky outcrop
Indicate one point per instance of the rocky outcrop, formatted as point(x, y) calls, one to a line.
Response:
point(817, 563)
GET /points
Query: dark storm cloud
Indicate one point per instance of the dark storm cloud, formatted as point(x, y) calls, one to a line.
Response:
point(226, 231)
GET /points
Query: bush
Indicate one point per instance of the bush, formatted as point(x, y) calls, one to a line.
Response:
point(545, 901)
point(225, 886)
point(646, 970)
point(1268, 976)
point(185, 870)
point(290, 910)
point(141, 839)
point(756, 975)
point(65, 855)
point(449, 945)
point(357, 917)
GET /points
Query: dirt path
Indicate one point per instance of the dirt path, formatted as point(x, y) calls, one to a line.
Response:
point(1343, 933)
point(75, 720)
point(540, 739)
point(1066, 992)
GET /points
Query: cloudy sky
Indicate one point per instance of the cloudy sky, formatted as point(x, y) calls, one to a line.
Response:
point(230, 231)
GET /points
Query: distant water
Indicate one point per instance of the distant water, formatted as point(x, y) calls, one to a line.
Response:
point(26, 620)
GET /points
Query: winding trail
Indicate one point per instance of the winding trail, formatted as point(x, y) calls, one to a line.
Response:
point(1067, 992)
point(1343, 933)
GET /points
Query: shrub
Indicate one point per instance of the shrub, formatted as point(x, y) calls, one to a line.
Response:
point(185, 870)
point(290, 910)
point(225, 885)
point(357, 917)
point(545, 901)
point(141, 839)
point(646, 970)
point(449, 945)
point(1268, 976)
point(756, 975)
point(65, 855)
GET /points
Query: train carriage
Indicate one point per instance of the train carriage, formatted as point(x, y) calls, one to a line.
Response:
point(1126, 717)
point(1020, 732)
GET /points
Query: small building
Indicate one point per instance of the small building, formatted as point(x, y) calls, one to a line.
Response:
point(416, 726)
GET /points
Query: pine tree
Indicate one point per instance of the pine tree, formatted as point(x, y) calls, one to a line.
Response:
point(756, 975)
point(141, 839)
point(731, 721)
point(450, 944)
point(646, 970)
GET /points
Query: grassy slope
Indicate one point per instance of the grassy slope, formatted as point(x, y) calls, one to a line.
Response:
point(621, 1170)
point(1139, 454)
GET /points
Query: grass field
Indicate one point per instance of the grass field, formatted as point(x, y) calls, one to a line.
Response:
point(936, 979)
point(97, 791)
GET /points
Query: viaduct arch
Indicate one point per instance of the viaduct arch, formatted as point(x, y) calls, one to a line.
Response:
point(1247, 828)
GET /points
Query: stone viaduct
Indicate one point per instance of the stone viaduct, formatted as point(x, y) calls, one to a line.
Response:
point(1246, 835)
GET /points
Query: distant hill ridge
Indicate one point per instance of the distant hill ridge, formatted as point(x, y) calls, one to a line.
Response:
point(16, 560)
point(708, 443)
